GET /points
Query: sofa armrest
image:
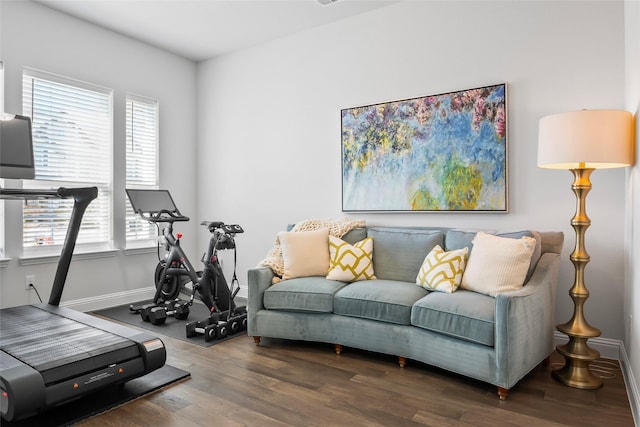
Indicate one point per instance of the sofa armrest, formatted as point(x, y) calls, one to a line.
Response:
point(524, 322)
point(258, 281)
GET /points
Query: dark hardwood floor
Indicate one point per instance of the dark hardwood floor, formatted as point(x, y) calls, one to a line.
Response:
point(288, 383)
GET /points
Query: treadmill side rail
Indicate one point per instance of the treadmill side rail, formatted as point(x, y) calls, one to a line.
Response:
point(22, 388)
point(75, 388)
point(153, 352)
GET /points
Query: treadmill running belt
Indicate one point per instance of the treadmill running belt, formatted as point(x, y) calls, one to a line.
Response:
point(46, 341)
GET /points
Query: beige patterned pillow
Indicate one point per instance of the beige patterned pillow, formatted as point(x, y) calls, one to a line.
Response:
point(442, 271)
point(350, 263)
point(497, 264)
point(305, 253)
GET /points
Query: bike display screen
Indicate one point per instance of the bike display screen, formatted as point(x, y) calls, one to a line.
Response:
point(151, 201)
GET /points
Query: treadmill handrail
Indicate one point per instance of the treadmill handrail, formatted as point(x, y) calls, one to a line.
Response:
point(82, 197)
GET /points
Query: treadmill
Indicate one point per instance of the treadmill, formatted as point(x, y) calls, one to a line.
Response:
point(51, 355)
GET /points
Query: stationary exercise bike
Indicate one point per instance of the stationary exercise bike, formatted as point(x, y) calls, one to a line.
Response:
point(225, 317)
point(174, 271)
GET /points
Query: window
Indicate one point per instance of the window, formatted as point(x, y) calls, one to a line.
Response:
point(72, 138)
point(142, 160)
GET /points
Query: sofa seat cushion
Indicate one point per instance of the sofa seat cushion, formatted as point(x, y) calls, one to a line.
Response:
point(384, 300)
point(308, 294)
point(462, 314)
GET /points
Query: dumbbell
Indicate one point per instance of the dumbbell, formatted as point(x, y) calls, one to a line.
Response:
point(217, 328)
point(210, 333)
point(147, 309)
point(142, 311)
point(222, 329)
point(196, 327)
point(178, 309)
point(155, 314)
point(237, 323)
point(208, 327)
point(137, 309)
point(239, 320)
point(210, 330)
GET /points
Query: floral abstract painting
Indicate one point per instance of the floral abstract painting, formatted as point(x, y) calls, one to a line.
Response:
point(444, 152)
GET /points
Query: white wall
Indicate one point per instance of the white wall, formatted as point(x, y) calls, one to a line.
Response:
point(269, 120)
point(632, 243)
point(38, 37)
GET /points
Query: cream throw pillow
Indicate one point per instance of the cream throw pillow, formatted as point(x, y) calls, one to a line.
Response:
point(305, 253)
point(350, 263)
point(442, 271)
point(497, 264)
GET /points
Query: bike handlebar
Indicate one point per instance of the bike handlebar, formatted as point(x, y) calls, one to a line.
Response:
point(163, 215)
point(226, 228)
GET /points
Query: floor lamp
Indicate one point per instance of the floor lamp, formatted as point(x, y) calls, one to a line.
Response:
point(582, 141)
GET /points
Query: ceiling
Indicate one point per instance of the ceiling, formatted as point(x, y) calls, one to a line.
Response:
point(203, 29)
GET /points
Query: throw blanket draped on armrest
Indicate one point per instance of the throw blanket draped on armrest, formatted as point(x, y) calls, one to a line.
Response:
point(337, 227)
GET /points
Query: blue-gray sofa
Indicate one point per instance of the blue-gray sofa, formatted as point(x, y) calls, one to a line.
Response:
point(497, 340)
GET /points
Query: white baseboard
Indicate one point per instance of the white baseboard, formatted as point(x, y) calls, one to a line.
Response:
point(111, 300)
point(120, 298)
point(243, 293)
point(631, 384)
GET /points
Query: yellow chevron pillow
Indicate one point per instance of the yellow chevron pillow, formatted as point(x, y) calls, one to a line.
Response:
point(350, 263)
point(442, 271)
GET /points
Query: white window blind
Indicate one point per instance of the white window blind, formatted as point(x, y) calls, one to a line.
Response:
point(142, 160)
point(72, 139)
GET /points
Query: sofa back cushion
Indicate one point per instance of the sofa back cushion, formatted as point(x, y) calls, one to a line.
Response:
point(398, 252)
point(355, 235)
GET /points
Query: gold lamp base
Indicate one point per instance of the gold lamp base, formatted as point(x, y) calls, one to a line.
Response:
point(575, 372)
point(577, 354)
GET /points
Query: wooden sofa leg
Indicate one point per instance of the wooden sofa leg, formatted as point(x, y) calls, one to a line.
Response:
point(256, 340)
point(338, 349)
point(503, 393)
point(402, 361)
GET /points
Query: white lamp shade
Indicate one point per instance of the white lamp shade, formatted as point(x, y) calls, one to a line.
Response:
point(596, 139)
